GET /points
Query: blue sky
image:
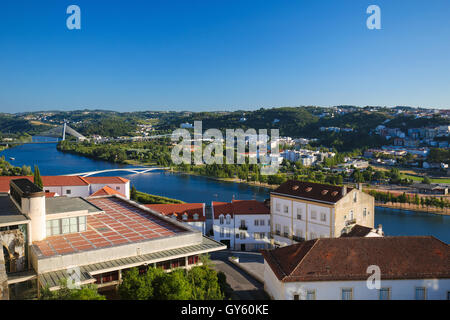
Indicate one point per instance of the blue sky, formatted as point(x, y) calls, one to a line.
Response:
point(222, 54)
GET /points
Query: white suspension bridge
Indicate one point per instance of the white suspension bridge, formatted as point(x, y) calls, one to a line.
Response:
point(132, 170)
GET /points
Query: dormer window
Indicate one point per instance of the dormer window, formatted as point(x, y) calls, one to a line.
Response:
point(295, 187)
point(195, 216)
point(334, 193)
point(308, 189)
point(221, 219)
point(185, 216)
point(228, 219)
point(324, 192)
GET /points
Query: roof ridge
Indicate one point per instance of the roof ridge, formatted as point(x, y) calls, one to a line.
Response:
point(310, 249)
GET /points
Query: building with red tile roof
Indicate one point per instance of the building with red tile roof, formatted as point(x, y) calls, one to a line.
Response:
point(74, 186)
point(339, 268)
point(99, 236)
point(242, 224)
point(190, 213)
point(302, 210)
point(106, 191)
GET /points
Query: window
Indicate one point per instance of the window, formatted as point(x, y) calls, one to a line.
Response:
point(117, 188)
point(311, 295)
point(285, 209)
point(286, 231)
point(242, 235)
point(385, 294)
point(323, 217)
point(228, 219)
point(68, 191)
point(237, 235)
point(73, 224)
point(227, 233)
point(65, 225)
point(221, 219)
point(313, 215)
point(278, 229)
point(82, 223)
point(256, 222)
point(185, 216)
point(421, 293)
point(355, 197)
point(365, 212)
point(195, 216)
point(221, 232)
point(261, 222)
point(299, 213)
point(347, 294)
point(277, 207)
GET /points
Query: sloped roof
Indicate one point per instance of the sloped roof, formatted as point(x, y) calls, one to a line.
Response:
point(179, 209)
point(357, 231)
point(342, 259)
point(239, 207)
point(106, 191)
point(311, 191)
point(106, 180)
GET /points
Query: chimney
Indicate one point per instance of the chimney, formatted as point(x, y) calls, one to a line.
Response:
point(380, 229)
point(30, 199)
point(344, 191)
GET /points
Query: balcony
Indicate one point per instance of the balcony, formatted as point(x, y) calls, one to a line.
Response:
point(350, 222)
point(243, 228)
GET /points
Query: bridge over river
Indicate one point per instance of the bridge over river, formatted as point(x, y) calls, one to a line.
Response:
point(132, 170)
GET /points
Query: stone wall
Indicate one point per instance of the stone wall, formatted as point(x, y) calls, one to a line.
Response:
point(4, 293)
point(13, 242)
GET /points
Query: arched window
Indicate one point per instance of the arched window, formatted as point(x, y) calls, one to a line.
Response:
point(228, 219)
point(185, 216)
point(195, 216)
point(221, 219)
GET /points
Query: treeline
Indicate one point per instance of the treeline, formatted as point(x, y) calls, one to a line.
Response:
point(387, 197)
point(6, 169)
point(198, 283)
point(146, 198)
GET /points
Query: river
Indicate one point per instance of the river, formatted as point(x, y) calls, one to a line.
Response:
point(200, 189)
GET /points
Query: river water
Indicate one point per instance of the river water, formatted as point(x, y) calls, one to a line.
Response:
point(200, 189)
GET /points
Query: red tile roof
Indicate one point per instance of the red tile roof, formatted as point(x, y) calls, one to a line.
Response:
point(311, 191)
point(106, 191)
point(179, 209)
point(58, 181)
point(50, 194)
point(357, 231)
point(106, 180)
point(239, 207)
point(341, 259)
point(120, 223)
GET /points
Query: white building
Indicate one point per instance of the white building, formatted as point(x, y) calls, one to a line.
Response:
point(75, 186)
point(305, 211)
point(192, 214)
point(242, 224)
point(338, 269)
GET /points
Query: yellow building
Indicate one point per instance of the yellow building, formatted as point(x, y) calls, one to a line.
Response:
point(305, 211)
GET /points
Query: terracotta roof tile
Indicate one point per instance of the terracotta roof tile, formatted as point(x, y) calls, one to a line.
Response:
point(179, 209)
point(348, 258)
point(106, 191)
point(311, 191)
point(105, 180)
point(239, 207)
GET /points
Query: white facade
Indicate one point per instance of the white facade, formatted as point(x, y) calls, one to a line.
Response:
point(430, 289)
point(69, 191)
point(243, 231)
point(123, 188)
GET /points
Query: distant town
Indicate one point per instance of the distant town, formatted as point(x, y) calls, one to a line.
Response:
point(85, 236)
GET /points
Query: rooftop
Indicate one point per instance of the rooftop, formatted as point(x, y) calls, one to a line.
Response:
point(342, 259)
point(9, 213)
point(121, 222)
point(179, 209)
point(311, 191)
point(358, 231)
point(105, 180)
point(68, 204)
point(106, 191)
point(239, 207)
point(26, 186)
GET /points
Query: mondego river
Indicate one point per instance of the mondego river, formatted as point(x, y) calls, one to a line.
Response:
point(200, 189)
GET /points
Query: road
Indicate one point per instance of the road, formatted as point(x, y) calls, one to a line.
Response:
point(244, 286)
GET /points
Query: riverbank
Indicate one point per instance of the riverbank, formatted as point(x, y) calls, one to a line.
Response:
point(413, 207)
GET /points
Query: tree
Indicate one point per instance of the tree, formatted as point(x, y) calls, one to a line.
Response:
point(37, 177)
point(133, 192)
point(87, 292)
point(426, 180)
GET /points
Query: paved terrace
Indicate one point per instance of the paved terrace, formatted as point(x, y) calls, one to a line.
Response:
point(119, 223)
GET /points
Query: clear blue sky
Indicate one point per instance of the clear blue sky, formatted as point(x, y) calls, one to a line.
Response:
point(222, 54)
